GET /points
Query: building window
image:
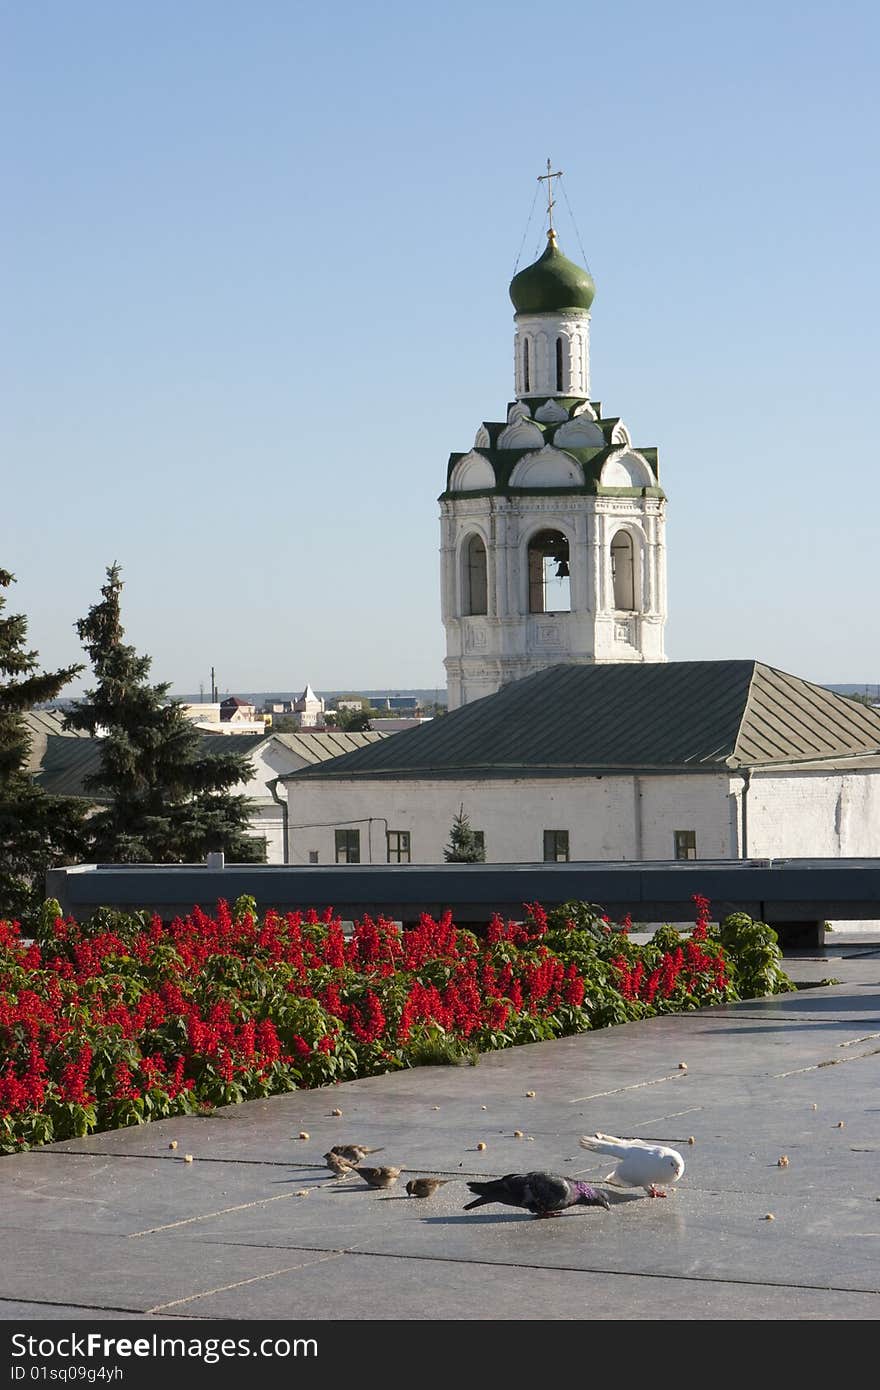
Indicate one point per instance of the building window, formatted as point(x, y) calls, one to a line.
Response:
point(313, 856)
point(475, 597)
point(623, 571)
point(348, 846)
point(685, 844)
point(556, 846)
point(398, 846)
point(559, 364)
point(526, 384)
point(549, 590)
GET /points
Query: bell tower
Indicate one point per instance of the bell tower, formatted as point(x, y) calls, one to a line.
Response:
point(553, 524)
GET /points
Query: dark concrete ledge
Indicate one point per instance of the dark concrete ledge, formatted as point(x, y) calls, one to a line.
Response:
point(796, 895)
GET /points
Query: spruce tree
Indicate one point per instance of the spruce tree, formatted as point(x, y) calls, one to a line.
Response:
point(464, 844)
point(167, 790)
point(36, 830)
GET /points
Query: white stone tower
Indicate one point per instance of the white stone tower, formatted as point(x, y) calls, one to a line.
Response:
point(552, 546)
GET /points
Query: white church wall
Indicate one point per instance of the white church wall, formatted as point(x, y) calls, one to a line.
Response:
point(541, 331)
point(509, 642)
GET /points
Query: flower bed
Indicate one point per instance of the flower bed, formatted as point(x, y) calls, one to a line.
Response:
point(124, 1019)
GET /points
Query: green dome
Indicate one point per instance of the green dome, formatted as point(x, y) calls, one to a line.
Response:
point(552, 284)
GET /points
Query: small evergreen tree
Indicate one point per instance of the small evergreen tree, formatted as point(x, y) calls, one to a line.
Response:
point(169, 799)
point(464, 844)
point(36, 830)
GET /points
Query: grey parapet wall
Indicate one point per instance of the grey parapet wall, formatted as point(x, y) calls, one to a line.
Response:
point(794, 895)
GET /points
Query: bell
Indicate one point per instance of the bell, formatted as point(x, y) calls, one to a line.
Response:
point(562, 570)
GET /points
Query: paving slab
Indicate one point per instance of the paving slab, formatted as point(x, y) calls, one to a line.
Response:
point(375, 1287)
point(18, 1312)
point(114, 1273)
point(255, 1227)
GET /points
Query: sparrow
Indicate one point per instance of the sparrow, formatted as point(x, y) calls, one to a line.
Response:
point(424, 1187)
point(340, 1166)
point(355, 1153)
point(378, 1177)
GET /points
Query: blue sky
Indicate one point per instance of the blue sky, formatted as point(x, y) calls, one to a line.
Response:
point(254, 272)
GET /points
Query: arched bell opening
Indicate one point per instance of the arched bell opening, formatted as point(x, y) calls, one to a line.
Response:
point(475, 589)
point(623, 572)
point(549, 574)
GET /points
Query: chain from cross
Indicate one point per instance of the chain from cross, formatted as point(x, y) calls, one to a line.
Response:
point(551, 201)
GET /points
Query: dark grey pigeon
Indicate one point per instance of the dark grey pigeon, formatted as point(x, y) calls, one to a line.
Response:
point(543, 1194)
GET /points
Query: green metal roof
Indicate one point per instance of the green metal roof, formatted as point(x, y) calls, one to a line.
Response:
point(59, 759)
point(65, 763)
point(592, 460)
point(320, 746)
point(229, 743)
point(552, 284)
point(678, 715)
point(41, 723)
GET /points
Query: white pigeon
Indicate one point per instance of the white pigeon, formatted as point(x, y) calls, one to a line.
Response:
point(639, 1164)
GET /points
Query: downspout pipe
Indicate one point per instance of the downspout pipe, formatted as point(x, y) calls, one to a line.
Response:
point(744, 830)
point(285, 846)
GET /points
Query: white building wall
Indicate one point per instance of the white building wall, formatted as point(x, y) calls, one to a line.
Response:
point(834, 815)
point(617, 817)
point(269, 759)
point(620, 817)
point(266, 823)
point(701, 802)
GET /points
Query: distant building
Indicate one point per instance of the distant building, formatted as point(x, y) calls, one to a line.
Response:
point(236, 711)
point(203, 715)
point(309, 710)
point(401, 704)
point(237, 716)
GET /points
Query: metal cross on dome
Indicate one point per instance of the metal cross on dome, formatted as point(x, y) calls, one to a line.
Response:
point(551, 201)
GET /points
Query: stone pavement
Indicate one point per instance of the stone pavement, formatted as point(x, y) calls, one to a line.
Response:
point(119, 1226)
